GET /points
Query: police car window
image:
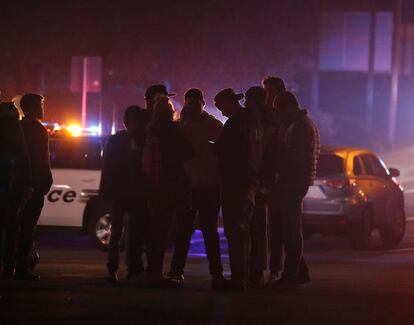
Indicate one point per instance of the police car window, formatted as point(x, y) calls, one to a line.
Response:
point(358, 168)
point(367, 164)
point(330, 164)
point(75, 153)
point(378, 167)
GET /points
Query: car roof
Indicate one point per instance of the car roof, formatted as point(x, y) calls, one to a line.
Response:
point(344, 151)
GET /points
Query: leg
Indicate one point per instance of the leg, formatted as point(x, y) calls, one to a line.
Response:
point(237, 229)
point(275, 232)
point(29, 218)
point(137, 227)
point(259, 239)
point(292, 232)
point(207, 201)
point(185, 228)
point(118, 215)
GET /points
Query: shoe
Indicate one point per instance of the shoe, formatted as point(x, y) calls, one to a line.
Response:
point(137, 279)
point(174, 279)
point(7, 274)
point(273, 277)
point(112, 278)
point(26, 276)
point(303, 278)
point(257, 281)
point(219, 282)
point(285, 282)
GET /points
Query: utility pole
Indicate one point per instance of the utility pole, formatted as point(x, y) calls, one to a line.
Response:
point(371, 68)
point(396, 63)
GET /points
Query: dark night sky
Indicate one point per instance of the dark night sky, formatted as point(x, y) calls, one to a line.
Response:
point(211, 45)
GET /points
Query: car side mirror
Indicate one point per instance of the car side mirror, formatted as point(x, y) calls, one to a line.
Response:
point(394, 172)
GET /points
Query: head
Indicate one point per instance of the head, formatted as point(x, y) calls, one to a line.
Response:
point(132, 118)
point(273, 86)
point(32, 106)
point(153, 92)
point(193, 103)
point(255, 97)
point(227, 102)
point(164, 113)
point(9, 108)
point(286, 106)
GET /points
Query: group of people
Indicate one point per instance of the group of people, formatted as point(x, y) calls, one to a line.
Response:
point(25, 178)
point(165, 171)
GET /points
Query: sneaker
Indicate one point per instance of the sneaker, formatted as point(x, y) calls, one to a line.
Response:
point(219, 282)
point(273, 277)
point(257, 281)
point(112, 278)
point(175, 279)
point(27, 276)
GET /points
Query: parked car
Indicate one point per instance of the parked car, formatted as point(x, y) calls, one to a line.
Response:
point(73, 200)
point(354, 194)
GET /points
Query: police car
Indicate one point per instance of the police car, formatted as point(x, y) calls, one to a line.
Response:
point(76, 161)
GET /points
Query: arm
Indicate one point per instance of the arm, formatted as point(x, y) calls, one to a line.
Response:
point(296, 138)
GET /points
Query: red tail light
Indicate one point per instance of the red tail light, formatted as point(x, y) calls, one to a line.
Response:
point(340, 184)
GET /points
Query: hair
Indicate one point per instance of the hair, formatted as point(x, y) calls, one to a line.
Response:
point(164, 113)
point(132, 113)
point(286, 99)
point(275, 82)
point(29, 104)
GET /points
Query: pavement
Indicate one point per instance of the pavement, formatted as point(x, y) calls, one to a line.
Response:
point(375, 287)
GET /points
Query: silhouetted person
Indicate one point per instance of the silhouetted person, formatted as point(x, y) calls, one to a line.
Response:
point(273, 87)
point(122, 182)
point(239, 156)
point(37, 140)
point(299, 156)
point(202, 130)
point(15, 182)
point(255, 103)
point(152, 94)
point(165, 151)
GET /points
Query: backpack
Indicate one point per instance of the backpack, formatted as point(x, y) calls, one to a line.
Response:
point(151, 161)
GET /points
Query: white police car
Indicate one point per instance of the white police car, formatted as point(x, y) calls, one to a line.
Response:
point(73, 201)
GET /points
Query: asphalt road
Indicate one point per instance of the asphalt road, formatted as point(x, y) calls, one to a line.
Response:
point(375, 287)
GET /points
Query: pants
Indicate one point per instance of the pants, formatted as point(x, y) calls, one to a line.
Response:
point(164, 204)
point(27, 225)
point(205, 201)
point(291, 200)
point(275, 231)
point(259, 237)
point(135, 212)
point(237, 220)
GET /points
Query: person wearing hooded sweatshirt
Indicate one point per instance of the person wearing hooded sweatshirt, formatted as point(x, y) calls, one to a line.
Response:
point(202, 130)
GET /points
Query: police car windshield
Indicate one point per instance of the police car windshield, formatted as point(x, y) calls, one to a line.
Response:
point(76, 153)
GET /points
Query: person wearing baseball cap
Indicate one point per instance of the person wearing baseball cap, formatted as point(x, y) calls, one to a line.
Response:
point(152, 93)
point(202, 130)
point(239, 161)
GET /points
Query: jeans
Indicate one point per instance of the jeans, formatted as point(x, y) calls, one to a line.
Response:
point(237, 221)
point(259, 237)
point(27, 224)
point(164, 204)
point(205, 201)
point(291, 200)
point(133, 210)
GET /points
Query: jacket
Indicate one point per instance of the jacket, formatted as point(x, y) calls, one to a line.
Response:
point(299, 152)
point(202, 134)
point(121, 174)
point(37, 140)
point(240, 152)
